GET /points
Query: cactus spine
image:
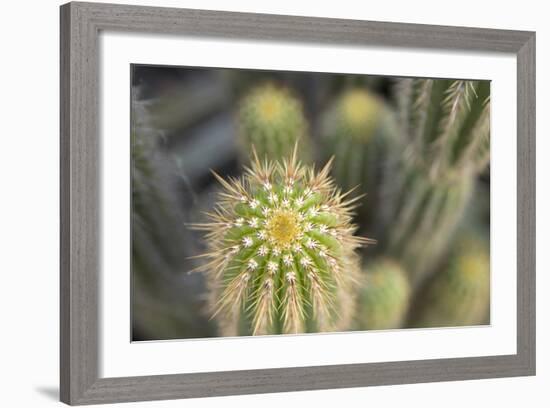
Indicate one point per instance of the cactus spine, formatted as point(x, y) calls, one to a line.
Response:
point(282, 251)
point(384, 296)
point(446, 123)
point(271, 120)
point(357, 130)
point(459, 295)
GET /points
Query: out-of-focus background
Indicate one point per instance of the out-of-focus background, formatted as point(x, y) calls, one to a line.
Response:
point(417, 148)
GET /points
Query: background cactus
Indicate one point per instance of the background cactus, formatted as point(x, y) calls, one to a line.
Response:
point(282, 251)
point(446, 124)
point(165, 300)
point(459, 295)
point(271, 120)
point(384, 296)
point(357, 130)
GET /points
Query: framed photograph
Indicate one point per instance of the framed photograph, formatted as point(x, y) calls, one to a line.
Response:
point(262, 203)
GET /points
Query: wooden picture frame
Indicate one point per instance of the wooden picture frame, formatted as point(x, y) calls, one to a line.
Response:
point(81, 24)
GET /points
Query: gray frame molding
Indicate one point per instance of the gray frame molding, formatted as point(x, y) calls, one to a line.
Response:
point(80, 158)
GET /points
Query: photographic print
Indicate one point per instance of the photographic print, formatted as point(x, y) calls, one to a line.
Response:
point(273, 203)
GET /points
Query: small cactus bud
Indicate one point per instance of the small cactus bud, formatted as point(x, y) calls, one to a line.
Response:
point(458, 295)
point(384, 296)
point(272, 120)
point(282, 250)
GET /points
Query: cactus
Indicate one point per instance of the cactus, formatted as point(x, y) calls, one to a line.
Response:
point(281, 255)
point(447, 122)
point(271, 120)
point(357, 129)
point(155, 214)
point(447, 127)
point(459, 295)
point(164, 306)
point(384, 297)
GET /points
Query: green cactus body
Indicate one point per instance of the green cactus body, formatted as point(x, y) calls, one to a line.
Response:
point(458, 295)
point(357, 130)
point(271, 120)
point(384, 297)
point(446, 123)
point(281, 252)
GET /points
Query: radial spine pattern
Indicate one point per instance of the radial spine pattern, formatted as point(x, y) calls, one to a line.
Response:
point(282, 251)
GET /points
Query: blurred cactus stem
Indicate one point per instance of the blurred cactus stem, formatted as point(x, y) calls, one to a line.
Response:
point(281, 252)
point(446, 124)
point(155, 213)
point(163, 307)
point(357, 130)
point(458, 295)
point(384, 297)
point(271, 120)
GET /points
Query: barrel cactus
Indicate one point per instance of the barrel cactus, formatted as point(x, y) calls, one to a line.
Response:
point(446, 124)
point(459, 295)
point(358, 130)
point(384, 296)
point(271, 120)
point(281, 255)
